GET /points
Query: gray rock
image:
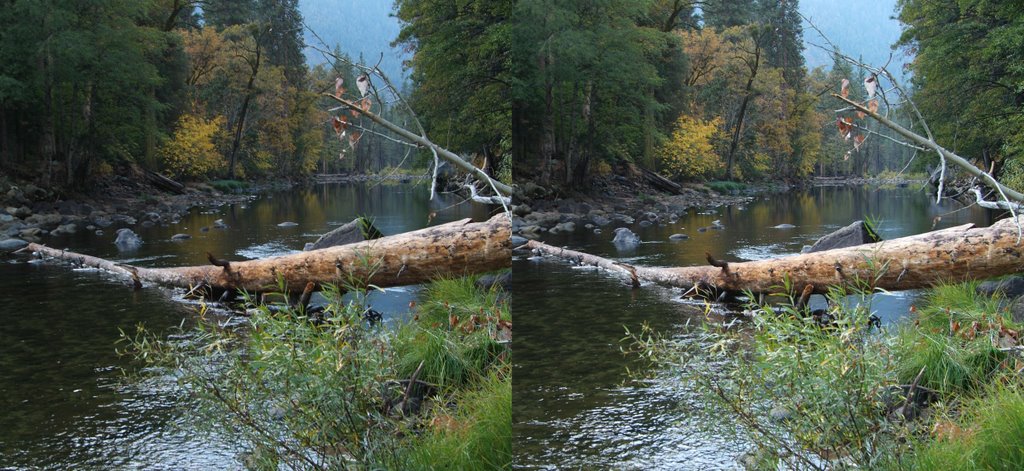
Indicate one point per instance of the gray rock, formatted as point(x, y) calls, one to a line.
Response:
point(646, 223)
point(6, 218)
point(517, 241)
point(597, 230)
point(148, 224)
point(356, 230)
point(124, 218)
point(288, 224)
point(853, 235)
point(99, 231)
point(180, 237)
point(1017, 310)
point(219, 224)
point(103, 222)
point(678, 237)
point(623, 219)
point(650, 216)
point(521, 210)
point(19, 212)
point(154, 217)
point(783, 226)
point(625, 239)
point(127, 240)
point(534, 190)
point(600, 220)
point(1009, 287)
point(45, 221)
point(805, 249)
point(543, 219)
point(564, 227)
point(10, 245)
point(531, 230)
point(503, 280)
point(30, 232)
point(65, 229)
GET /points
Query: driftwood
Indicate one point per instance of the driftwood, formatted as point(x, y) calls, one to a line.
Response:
point(456, 248)
point(164, 183)
point(948, 255)
point(661, 182)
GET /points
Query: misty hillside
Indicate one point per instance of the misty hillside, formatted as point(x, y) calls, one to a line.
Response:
point(866, 28)
point(358, 27)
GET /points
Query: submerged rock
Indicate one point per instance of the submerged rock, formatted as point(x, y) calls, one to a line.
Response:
point(180, 237)
point(784, 226)
point(625, 239)
point(10, 245)
point(288, 224)
point(127, 239)
point(678, 237)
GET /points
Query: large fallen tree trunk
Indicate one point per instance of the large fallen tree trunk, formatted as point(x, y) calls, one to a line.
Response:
point(949, 255)
point(457, 248)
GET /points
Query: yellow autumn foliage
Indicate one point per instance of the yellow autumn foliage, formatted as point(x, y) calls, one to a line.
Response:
point(690, 153)
point(191, 152)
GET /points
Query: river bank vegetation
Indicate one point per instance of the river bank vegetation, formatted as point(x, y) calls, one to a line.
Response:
point(223, 89)
point(333, 388)
point(828, 389)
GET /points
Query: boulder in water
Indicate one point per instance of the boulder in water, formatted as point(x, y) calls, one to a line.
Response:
point(857, 233)
point(625, 239)
point(10, 245)
point(357, 230)
point(288, 224)
point(127, 239)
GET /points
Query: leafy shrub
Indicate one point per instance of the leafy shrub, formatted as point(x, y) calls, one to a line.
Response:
point(690, 153)
point(191, 151)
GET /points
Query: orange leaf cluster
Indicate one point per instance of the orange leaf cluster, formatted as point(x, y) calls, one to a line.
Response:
point(845, 125)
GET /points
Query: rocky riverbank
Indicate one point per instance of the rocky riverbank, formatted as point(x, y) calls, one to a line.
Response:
point(614, 202)
point(29, 213)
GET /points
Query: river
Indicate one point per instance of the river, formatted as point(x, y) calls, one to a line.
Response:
point(575, 405)
point(65, 402)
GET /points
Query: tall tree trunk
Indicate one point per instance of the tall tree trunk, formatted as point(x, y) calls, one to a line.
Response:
point(747, 94)
point(250, 90)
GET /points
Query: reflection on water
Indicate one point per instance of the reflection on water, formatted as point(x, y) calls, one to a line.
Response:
point(574, 405)
point(64, 402)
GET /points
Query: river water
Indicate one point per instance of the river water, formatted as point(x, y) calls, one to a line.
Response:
point(575, 405)
point(65, 402)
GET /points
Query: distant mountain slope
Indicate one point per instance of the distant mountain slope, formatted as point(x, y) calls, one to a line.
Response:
point(359, 27)
point(863, 28)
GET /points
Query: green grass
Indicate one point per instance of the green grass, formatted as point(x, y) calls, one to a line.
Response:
point(228, 186)
point(726, 186)
point(453, 336)
point(478, 435)
point(988, 434)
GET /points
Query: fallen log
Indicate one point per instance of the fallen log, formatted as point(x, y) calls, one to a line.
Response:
point(452, 249)
point(949, 255)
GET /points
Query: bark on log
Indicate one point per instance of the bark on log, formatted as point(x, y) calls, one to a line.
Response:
point(949, 255)
point(452, 249)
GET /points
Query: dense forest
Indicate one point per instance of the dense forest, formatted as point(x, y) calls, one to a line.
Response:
point(722, 91)
point(222, 89)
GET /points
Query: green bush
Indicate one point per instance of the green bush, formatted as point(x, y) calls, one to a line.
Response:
point(726, 186)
